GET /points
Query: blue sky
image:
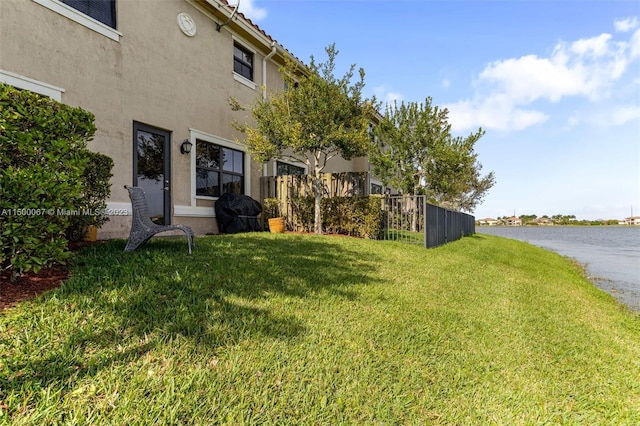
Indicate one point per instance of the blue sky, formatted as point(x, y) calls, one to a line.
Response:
point(555, 84)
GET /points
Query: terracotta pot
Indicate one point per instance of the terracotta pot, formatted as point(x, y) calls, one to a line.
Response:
point(92, 233)
point(276, 224)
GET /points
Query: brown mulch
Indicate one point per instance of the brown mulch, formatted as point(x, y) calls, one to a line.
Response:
point(29, 285)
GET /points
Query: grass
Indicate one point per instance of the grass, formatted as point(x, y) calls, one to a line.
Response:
point(293, 329)
point(405, 236)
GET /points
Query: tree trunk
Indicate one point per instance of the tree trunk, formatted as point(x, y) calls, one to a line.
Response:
point(415, 209)
point(414, 213)
point(317, 189)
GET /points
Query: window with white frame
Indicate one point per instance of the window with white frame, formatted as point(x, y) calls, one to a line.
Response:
point(219, 169)
point(101, 10)
point(242, 61)
point(23, 82)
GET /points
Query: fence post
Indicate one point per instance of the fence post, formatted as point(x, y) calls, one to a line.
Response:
point(424, 225)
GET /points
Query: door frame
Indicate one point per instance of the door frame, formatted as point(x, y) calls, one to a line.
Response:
point(166, 153)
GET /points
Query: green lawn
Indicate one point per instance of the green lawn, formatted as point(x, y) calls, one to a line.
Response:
point(292, 329)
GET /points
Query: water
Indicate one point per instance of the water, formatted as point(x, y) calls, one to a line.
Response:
point(611, 254)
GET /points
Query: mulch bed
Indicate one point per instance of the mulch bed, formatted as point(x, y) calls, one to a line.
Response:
point(30, 285)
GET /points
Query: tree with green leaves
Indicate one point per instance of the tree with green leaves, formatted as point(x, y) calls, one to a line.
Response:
point(415, 152)
point(316, 118)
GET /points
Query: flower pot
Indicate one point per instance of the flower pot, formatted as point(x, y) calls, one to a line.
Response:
point(92, 233)
point(276, 224)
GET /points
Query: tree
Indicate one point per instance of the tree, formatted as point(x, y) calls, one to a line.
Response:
point(405, 140)
point(526, 218)
point(317, 117)
point(416, 153)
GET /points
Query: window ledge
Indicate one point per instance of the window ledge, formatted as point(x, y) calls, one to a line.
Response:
point(23, 82)
point(80, 18)
point(237, 77)
point(189, 211)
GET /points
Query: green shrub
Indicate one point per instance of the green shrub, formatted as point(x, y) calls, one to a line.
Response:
point(300, 213)
point(271, 208)
point(358, 216)
point(43, 157)
point(96, 189)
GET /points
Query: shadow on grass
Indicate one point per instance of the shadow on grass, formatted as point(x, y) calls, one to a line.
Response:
point(217, 297)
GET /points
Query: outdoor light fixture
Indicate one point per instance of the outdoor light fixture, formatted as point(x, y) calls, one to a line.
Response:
point(185, 148)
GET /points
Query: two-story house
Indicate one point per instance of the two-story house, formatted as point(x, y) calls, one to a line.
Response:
point(513, 221)
point(158, 76)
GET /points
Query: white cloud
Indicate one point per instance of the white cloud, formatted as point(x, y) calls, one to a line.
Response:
point(634, 45)
point(573, 121)
point(446, 83)
point(505, 89)
point(617, 116)
point(585, 67)
point(625, 25)
point(251, 11)
point(385, 94)
point(596, 46)
point(605, 117)
point(495, 112)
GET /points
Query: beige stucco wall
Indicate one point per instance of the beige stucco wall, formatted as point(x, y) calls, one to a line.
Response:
point(155, 75)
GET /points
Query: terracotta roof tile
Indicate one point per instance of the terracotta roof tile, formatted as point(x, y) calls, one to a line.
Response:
point(242, 15)
point(260, 30)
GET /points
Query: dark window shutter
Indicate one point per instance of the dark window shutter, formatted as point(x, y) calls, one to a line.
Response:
point(100, 10)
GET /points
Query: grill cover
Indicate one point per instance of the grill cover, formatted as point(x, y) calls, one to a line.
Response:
point(237, 213)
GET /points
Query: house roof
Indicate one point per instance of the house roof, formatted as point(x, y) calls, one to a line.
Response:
point(249, 21)
point(223, 10)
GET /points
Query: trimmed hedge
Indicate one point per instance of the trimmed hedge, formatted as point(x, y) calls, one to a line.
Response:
point(96, 189)
point(358, 216)
point(43, 178)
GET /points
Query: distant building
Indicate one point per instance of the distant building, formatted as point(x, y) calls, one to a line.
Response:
point(542, 221)
point(634, 220)
point(488, 222)
point(514, 221)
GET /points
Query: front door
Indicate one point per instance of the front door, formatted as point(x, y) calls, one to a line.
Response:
point(151, 169)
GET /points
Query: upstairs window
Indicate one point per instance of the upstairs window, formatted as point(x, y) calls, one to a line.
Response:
point(242, 61)
point(100, 10)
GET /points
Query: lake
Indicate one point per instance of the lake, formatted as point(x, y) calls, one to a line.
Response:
point(611, 254)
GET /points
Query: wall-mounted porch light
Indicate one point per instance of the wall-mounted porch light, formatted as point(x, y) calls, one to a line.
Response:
point(185, 147)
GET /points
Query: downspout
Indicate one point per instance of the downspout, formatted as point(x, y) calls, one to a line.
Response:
point(264, 69)
point(264, 88)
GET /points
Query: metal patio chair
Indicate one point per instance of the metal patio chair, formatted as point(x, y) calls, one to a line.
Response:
point(142, 228)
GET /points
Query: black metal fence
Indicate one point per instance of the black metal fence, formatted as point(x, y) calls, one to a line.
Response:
point(411, 219)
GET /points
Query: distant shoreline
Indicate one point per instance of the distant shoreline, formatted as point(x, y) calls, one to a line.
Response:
point(579, 223)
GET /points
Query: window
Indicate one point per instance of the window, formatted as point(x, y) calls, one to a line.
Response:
point(288, 169)
point(242, 61)
point(376, 189)
point(218, 169)
point(100, 10)
point(22, 82)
